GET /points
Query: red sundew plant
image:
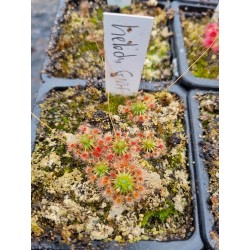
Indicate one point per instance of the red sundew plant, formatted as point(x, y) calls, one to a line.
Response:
point(212, 33)
point(152, 147)
point(112, 160)
point(137, 111)
point(124, 184)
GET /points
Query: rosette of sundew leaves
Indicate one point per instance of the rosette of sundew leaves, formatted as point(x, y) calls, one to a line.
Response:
point(70, 206)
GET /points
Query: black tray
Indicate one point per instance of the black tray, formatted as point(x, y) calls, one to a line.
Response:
point(192, 243)
point(189, 79)
point(202, 177)
point(47, 78)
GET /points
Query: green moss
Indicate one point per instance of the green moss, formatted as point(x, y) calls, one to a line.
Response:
point(173, 187)
point(158, 215)
point(67, 170)
point(175, 161)
point(203, 69)
point(115, 101)
point(35, 228)
point(60, 149)
point(205, 124)
point(100, 14)
point(88, 46)
point(65, 119)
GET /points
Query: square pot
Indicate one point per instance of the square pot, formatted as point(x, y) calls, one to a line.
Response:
point(194, 242)
point(202, 176)
point(188, 78)
point(49, 78)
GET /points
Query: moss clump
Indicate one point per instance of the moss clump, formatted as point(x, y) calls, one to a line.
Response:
point(160, 215)
point(35, 228)
point(115, 101)
point(193, 30)
point(175, 160)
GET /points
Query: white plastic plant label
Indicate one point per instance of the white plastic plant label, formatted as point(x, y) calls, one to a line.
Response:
point(126, 39)
point(119, 3)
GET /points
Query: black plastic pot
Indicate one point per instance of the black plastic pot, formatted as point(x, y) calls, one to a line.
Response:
point(202, 177)
point(198, 1)
point(46, 78)
point(194, 242)
point(188, 78)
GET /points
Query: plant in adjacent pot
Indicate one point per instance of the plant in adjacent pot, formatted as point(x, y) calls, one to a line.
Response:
point(204, 107)
point(76, 50)
point(196, 40)
point(209, 116)
point(200, 33)
point(121, 176)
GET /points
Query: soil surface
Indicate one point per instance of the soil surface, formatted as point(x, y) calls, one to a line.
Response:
point(74, 200)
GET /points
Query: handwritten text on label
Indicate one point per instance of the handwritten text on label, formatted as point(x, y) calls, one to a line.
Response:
point(126, 40)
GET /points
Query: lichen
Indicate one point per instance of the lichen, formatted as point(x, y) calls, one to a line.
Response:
point(64, 202)
point(64, 183)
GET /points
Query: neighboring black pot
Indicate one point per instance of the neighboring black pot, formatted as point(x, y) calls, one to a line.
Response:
point(192, 243)
point(46, 78)
point(188, 78)
point(202, 177)
point(198, 1)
